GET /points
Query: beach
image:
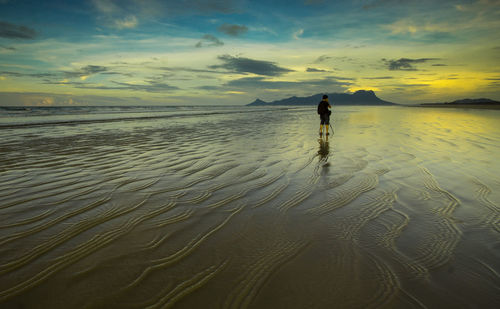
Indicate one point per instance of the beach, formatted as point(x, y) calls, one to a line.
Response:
point(246, 207)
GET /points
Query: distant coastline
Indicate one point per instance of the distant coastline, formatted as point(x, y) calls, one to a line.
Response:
point(481, 103)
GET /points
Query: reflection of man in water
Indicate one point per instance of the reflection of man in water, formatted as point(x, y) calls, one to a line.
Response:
point(324, 114)
point(324, 149)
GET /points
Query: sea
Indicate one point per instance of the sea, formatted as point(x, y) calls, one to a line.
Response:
point(14, 116)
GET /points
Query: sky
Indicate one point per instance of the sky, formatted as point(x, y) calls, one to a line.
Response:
point(179, 52)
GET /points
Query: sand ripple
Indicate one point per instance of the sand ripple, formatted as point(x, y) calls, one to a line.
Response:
point(252, 211)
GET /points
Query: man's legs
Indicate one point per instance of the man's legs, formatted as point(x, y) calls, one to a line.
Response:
point(323, 121)
point(327, 122)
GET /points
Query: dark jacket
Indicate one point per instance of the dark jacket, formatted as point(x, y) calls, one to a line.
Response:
point(323, 107)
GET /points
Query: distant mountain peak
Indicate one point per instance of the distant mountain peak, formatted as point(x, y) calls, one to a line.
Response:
point(257, 102)
point(364, 91)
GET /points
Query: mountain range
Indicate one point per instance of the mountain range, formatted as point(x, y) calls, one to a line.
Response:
point(360, 97)
point(368, 98)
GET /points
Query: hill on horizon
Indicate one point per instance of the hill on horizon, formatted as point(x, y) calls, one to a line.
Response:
point(474, 101)
point(360, 97)
point(465, 102)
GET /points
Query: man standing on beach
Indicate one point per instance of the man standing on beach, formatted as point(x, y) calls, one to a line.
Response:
point(324, 114)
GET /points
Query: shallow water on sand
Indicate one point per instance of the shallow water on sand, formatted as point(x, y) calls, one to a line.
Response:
point(399, 208)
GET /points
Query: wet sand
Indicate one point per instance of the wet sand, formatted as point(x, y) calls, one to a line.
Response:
point(398, 209)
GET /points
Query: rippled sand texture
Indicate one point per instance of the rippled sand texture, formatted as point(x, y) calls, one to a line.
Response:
point(398, 209)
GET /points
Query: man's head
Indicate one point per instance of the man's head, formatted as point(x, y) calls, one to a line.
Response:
point(325, 97)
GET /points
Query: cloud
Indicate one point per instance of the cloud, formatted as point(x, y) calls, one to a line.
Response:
point(63, 82)
point(322, 58)
point(120, 14)
point(13, 74)
point(416, 85)
point(55, 77)
point(314, 70)
point(186, 69)
point(331, 83)
point(313, 2)
point(298, 33)
point(11, 31)
point(93, 69)
point(118, 73)
point(57, 99)
point(233, 30)
point(392, 3)
point(36, 75)
point(7, 47)
point(265, 87)
point(203, 6)
point(405, 64)
point(109, 10)
point(86, 71)
point(151, 86)
point(246, 65)
point(209, 88)
point(209, 40)
point(380, 77)
point(106, 6)
point(403, 26)
point(426, 29)
point(258, 82)
point(126, 23)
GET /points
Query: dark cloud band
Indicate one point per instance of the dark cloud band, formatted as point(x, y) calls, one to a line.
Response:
point(11, 31)
point(405, 64)
point(322, 58)
point(86, 71)
point(314, 70)
point(381, 77)
point(209, 40)
point(246, 65)
point(233, 30)
point(7, 47)
point(152, 86)
point(261, 82)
